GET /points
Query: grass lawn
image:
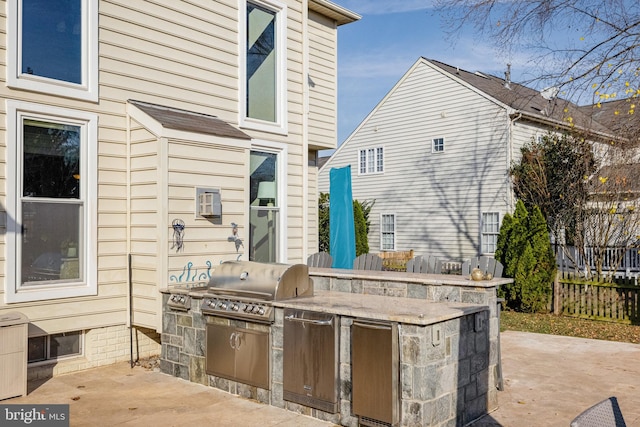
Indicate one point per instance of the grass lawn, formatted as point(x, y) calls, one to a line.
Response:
point(569, 326)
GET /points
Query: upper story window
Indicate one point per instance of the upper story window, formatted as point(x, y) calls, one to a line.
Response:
point(438, 145)
point(51, 201)
point(490, 230)
point(371, 160)
point(53, 47)
point(263, 92)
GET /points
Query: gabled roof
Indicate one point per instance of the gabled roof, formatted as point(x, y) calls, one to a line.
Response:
point(619, 116)
point(526, 101)
point(189, 121)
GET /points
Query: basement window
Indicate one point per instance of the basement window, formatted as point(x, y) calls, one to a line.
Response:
point(56, 346)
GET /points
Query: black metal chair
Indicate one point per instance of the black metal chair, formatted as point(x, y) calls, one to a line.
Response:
point(603, 414)
point(320, 260)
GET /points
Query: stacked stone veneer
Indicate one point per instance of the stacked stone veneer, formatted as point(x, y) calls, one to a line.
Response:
point(103, 346)
point(184, 348)
point(405, 285)
point(449, 383)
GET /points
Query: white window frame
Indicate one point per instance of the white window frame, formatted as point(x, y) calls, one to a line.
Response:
point(48, 359)
point(382, 232)
point(433, 145)
point(373, 160)
point(280, 125)
point(484, 244)
point(88, 123)
point(87, 90)
point(282, 152)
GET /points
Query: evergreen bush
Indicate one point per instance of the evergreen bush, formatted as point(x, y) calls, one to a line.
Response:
point(524, 248)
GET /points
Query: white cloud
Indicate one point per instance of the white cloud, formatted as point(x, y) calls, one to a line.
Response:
point(381, 7)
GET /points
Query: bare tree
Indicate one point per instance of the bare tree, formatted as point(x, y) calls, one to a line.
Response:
point(583, 47)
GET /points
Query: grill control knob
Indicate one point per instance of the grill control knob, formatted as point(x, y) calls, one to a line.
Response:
point(261, 311)
point(255, 309)
point(223, 305)
point(247, 308)
point(181, 299)
point(210, 303)
point(235, 307)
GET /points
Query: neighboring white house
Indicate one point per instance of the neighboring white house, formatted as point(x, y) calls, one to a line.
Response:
point(133, 134)
point(435, 153)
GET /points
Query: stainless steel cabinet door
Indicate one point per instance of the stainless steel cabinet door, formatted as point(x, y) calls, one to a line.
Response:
point(252, 357)
point(374, 371)
point(220, 351)
point(310, 359)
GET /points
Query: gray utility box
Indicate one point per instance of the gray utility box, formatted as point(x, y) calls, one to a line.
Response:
point(13, 354)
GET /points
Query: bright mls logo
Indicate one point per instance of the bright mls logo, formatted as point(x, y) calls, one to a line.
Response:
point(34, 415)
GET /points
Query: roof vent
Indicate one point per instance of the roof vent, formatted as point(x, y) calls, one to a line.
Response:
point(507, 77)
point(549, 93)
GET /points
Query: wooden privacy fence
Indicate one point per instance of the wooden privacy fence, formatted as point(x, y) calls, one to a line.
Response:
point(614, 302)
point(395, 261)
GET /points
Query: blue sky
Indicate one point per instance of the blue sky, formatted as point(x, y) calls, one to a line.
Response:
point(376, 51)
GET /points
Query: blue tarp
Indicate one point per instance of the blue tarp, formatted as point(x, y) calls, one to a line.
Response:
point(342, 235)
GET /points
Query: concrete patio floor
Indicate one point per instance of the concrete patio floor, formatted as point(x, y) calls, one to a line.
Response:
point(548, 381)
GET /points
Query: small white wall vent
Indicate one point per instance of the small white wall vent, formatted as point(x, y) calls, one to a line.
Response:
point(208, 203)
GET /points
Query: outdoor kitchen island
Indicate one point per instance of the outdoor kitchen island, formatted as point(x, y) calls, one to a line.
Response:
point(445, 360)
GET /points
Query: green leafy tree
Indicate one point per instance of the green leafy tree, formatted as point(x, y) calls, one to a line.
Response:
point(323, 222)
point(361, 219)
point(362, 242)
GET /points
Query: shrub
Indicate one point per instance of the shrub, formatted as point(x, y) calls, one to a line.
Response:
point(524, 248)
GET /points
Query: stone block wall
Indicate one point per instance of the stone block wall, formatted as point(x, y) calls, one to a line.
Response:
point(184, 342)
point(404, 285)
point(445, 381)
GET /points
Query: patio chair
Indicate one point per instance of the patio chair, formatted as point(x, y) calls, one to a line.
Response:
point(368, 262)
point(604, 414)
point(484, 263)
point(424, 264)
point(320, 259)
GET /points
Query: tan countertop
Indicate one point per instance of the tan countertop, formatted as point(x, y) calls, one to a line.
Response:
point(401, 276)
point(384, 308)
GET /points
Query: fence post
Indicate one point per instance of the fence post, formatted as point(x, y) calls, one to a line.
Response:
point(557, 306)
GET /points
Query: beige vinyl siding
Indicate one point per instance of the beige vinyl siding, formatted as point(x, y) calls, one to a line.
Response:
point(184, 56)
point(322, 72)
point(220, 166)
point(312, 206)
point(145, 192)
point(437, 198)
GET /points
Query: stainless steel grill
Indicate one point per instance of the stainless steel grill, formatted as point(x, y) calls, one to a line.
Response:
point(247, 289)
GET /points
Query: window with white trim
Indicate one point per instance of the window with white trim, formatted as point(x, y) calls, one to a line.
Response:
point(263, 67)
point(267, 195)
point(53, 47)
point(371, 160)
point(490, 231)
point(387, 232)
point(51, 199)
point(438, 145)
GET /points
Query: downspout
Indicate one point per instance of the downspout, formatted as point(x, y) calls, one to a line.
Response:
point(128, 237)
point(305, 131)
